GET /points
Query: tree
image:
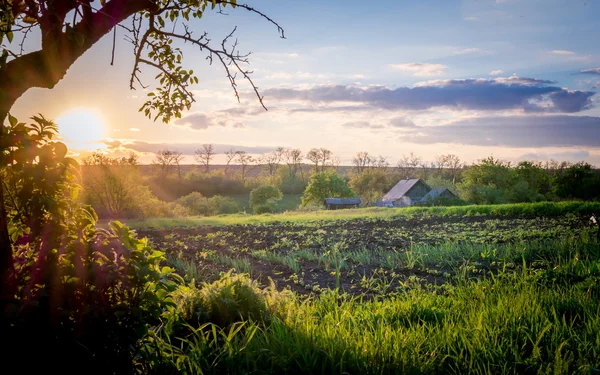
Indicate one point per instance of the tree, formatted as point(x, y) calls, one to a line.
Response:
point(230, 155)
point(361, 161)
point(370, 185)
point(245, 160)
point(579, 181)
point(262, 199)
point(155, 25)
point(454, 165)
point(321, 157)
point(204, 155)
point(164, 159)
point(487, 182)
point(272, 159)
point(111, 185)
point(293, 159)
point(325, 185)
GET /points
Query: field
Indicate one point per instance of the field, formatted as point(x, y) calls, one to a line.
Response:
point(372, 254)
point(509, 289)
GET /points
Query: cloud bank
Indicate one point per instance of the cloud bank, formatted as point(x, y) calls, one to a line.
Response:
point(527, 94)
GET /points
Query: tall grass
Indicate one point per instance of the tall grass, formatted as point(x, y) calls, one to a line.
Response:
point(530, 320)
point(521, 209)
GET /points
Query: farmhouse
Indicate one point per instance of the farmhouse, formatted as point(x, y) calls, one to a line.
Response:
point(339, 203)
point(413, 191)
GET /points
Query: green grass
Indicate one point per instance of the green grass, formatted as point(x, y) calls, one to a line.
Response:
point(526, 320)
point(521, 209)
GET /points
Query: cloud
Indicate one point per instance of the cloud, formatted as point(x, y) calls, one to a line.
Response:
point(420, 69)
point(527, 94)
point(402, 123)
point(496, 72)
point(594, 71)
point(200, 121)
point(184, 148)
point(134, 129)
point(361, 125)
point(471, 19)
point(562, 52)
point(516, 131)
point(574, 156)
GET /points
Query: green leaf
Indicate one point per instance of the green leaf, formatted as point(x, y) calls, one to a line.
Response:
point(12, 120)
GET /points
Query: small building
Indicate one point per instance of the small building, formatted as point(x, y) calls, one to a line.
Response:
point(437, 194)
point(406, 193)
point(340, 203)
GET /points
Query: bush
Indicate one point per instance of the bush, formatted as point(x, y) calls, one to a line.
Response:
point(232, 298)
point(196, 204)
point(267, 208)
point(83, 297)
point(265, 197)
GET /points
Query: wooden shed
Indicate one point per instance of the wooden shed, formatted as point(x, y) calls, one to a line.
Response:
point(340, 203)
point(406, 193)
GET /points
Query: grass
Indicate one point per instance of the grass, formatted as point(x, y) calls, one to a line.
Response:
point(528, 319)
point(522, 209)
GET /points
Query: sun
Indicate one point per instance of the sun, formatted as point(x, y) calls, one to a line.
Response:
point(81, 128)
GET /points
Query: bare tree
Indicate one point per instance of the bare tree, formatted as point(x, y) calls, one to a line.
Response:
point(177, 159)
point(230, 155)
point(245, 160)
point(361, 161)
point(164, 159)
point(272, 159)
point(293, 159)
point(454, 165)
point(440, 163)
point(413, 161)
point(204, 155)
point(381, 162)
point(313, 156)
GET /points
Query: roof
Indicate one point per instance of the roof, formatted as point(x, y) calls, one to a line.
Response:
point(434, 193)
point(401, 188)
point(342, 200)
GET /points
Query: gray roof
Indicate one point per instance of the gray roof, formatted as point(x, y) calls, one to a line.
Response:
point(342, 200)
point(434, 193)
point(400, 189)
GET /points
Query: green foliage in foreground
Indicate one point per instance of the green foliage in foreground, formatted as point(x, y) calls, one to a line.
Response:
point(550, 209)
point(542, 319)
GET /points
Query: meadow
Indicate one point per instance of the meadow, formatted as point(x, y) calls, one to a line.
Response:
point(502, 289)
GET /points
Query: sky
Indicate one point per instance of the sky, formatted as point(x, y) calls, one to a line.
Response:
point(512, 79)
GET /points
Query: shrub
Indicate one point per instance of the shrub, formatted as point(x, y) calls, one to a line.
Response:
point(267, 208)
point(81, 292)
point(264, 197)
point(223, 205)
point(196, 204)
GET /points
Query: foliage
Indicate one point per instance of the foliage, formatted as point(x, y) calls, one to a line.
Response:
point(578, 181)
point(370, 185)
point(196, 204)
point(80, 290)
point(265, 197)
point(325, 185)
point(37, 177)
point(112, 187)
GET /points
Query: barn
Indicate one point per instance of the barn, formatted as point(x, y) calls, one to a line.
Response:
point(406, 193)
point(339, 203)
point(435, 194)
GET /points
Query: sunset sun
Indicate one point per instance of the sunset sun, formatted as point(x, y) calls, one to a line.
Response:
point(81, 128)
